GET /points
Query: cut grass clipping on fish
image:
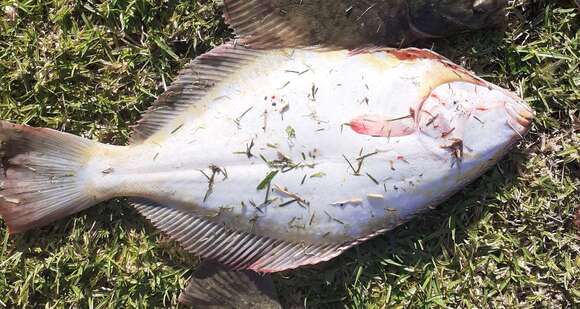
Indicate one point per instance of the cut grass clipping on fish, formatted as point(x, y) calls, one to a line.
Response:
point(508, 239)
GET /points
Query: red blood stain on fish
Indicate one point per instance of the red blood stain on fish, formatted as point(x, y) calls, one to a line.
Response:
point(402, 158)
point(406, 54)
point(380, 126)
point(414, 53)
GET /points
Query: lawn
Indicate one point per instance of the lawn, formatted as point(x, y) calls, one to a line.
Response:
point(90, 67)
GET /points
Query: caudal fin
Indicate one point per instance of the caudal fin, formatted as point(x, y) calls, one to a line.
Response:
point(39, 176)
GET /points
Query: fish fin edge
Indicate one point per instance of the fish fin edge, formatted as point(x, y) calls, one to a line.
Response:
point(192, 84)
point(258, 24)
point(40, 179)
point(235, 249)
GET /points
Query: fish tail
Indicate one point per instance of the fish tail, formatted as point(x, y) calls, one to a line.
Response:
point(41, 176)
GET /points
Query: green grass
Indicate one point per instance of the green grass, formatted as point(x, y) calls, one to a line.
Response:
point(507, 240)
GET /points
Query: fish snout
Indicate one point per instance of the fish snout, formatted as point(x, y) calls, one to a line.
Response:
point(519, 113)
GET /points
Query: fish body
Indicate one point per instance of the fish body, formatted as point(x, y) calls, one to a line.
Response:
point(345, 23)
point(269, 160)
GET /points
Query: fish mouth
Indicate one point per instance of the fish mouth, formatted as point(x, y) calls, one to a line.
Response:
point(521, 113)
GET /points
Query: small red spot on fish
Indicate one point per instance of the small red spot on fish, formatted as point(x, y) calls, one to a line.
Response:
point(482, 109)
point(435, 96)
point(402, 158)
point(273, 97)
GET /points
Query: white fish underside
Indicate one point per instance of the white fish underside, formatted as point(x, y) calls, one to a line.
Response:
point(297, 107)
point(269, 160)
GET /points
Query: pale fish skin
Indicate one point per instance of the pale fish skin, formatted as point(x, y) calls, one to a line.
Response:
point(316, 148)
point(316, 95)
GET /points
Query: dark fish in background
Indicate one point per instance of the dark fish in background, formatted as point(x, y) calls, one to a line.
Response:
point(349, 24)
point(213, 286)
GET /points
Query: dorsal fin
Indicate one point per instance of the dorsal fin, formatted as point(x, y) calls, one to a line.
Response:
point(192, 83)
point(266, 24)
point(235, 249)
point(214, 286)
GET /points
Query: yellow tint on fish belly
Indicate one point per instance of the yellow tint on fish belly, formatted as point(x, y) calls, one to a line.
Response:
point(381, 61)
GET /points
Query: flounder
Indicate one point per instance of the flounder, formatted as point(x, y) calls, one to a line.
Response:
point(270, 160)
point(351, 24)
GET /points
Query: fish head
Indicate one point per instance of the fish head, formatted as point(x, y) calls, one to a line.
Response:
point(473, 122)
point(441, 18)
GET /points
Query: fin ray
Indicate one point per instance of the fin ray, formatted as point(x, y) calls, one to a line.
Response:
point(238, 250)
point(39, 181)
point(193, 82)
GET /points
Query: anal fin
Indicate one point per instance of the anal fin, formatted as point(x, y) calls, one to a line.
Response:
point(232, 248)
